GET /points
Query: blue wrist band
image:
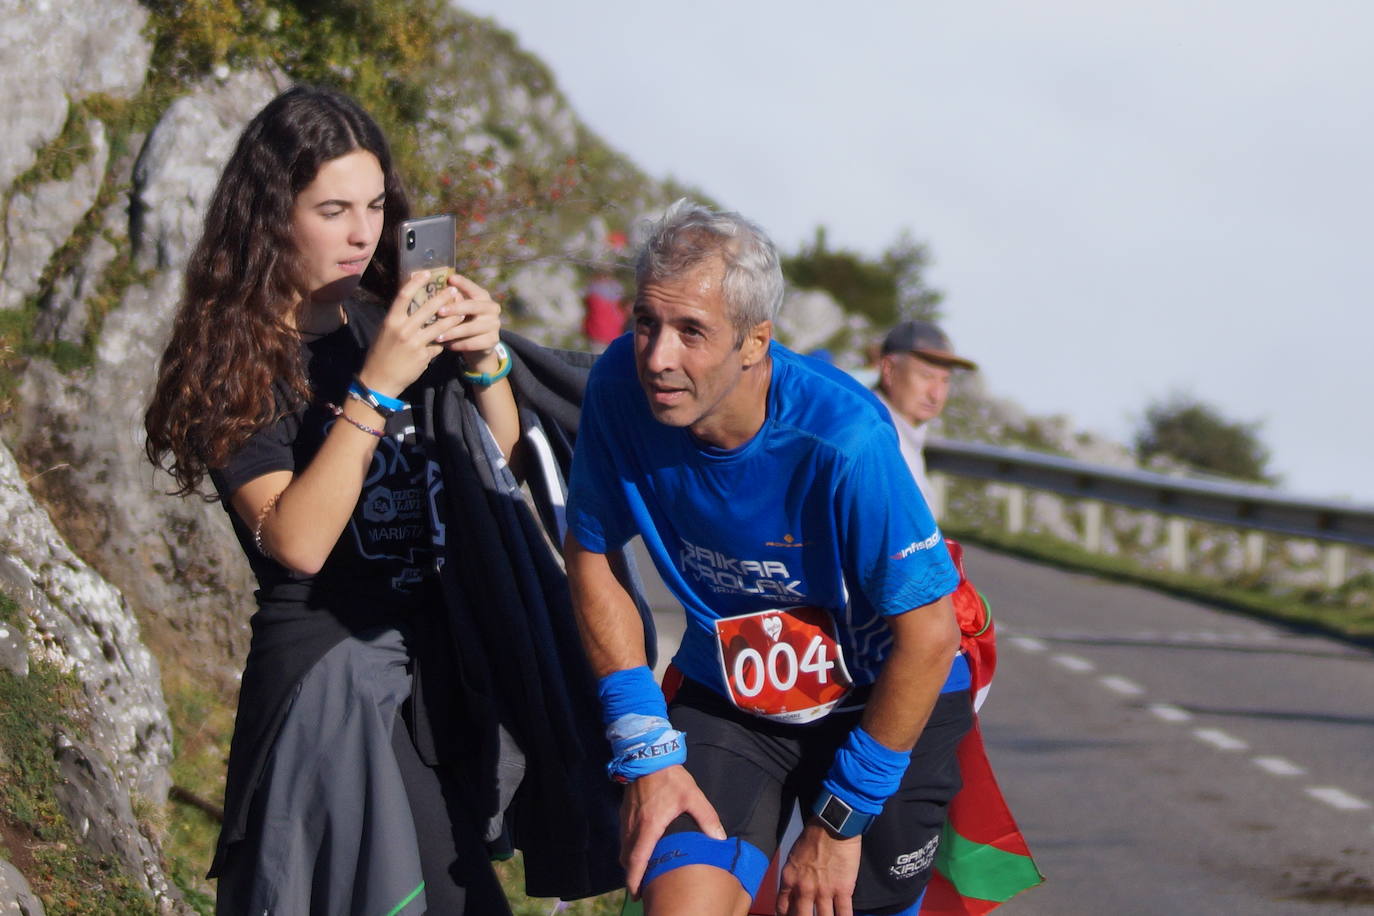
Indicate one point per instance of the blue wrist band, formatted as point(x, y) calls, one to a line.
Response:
point(376, 398)
point(632, 690)
point(642, 739)
point(641, 745)
point(865, 773)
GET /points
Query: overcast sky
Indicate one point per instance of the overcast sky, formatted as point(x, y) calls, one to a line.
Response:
point(1123, 200)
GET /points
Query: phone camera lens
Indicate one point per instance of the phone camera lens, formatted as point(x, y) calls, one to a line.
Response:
point(410, 239)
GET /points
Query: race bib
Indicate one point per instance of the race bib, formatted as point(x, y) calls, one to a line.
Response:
point(783, 664)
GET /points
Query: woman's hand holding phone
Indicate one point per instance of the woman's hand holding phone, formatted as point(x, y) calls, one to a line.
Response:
point(461, 317)
point(480, 330)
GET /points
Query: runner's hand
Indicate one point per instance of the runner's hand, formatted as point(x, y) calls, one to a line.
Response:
point(652, 803)
point(820, 874)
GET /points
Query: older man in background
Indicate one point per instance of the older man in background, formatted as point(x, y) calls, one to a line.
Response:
point(913, 383)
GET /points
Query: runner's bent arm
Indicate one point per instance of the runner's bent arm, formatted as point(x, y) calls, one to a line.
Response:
point(923, 644)
point(612, 633)
point(613, 637)
point(823, 868)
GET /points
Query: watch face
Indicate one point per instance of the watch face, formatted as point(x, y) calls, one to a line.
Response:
point(835, 813)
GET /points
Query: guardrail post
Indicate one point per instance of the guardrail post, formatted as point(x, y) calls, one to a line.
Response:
point(1178, 544)
point(1016, 509)
point(1092, 525)
point(1335, 565)
point(1254, 551)
point(939, 491)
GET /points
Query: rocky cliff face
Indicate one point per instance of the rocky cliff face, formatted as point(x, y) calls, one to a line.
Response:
point(98, 220)
point(112, 749)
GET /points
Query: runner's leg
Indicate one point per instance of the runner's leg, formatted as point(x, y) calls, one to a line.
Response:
point(740, 767)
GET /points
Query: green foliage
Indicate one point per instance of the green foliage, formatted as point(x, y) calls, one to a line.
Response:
point(66, 876)
point(382, 52)
point(1196, 434)
point(888, 289)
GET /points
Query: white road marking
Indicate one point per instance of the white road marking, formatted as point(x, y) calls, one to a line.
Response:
point(1337, 798)
point(1122, 686)
point(1074, 663)
point(1028, 644)
point(1220, 739)
point(1278, 766)
point(1170, 713)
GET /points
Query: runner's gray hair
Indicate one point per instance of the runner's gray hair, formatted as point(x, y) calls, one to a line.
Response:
point(689, 234)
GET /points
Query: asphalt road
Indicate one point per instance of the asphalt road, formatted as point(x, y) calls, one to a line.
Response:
point(1163, 757)
point(1166, 757)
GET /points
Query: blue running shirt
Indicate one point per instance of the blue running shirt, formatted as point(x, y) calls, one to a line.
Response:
point(818, 508)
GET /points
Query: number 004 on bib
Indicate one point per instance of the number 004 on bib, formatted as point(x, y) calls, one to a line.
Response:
point(783, 664)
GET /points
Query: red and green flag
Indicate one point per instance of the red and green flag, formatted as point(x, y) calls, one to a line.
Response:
point(983, 861)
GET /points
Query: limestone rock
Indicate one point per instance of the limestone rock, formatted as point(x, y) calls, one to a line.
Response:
point(811, 318)
point(16, 897)
point(180, 163)
point(87, 46)
point(64, 317)
point(99, 810)
point(14, 650)
point(176, 558)
point(41, 220)
point(550, 301)
point(82, 625)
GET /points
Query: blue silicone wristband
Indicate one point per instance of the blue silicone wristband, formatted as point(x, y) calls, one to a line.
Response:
point(366, 393)
point(865, 773)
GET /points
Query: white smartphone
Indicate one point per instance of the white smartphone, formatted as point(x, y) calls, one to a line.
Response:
point(426, 243)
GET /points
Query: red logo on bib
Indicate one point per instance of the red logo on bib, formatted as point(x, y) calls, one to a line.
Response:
point(783, 664)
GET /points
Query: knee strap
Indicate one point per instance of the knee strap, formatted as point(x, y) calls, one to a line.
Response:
point(742, 859)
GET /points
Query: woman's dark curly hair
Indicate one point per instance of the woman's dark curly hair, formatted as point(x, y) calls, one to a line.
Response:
point(233, 355)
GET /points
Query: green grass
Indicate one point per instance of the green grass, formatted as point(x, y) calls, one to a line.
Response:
point(202, 722)
point(512, 875)
point(36, 837)
point(1331, 613)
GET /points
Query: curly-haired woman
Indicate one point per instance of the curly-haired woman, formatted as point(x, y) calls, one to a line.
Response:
point(287, 383)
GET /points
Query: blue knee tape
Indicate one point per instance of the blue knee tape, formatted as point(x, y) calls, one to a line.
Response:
point(742, 859)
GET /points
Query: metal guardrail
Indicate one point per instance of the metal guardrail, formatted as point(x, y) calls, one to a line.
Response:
point(1255, 508)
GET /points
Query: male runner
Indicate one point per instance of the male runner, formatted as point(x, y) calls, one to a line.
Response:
point(820, 644)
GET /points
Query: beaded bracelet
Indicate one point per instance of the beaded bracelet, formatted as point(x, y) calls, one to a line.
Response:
point(337, 411)
point(257, 526)
point(485, 380)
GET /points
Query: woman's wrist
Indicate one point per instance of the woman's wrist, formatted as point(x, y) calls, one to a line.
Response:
point(488, 369)
point(483, 362)
point(377, 386)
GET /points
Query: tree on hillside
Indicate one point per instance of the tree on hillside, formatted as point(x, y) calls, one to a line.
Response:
point(1195, 433)
point(887, 289)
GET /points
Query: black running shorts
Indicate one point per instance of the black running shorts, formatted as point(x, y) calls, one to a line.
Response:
point(753, 769)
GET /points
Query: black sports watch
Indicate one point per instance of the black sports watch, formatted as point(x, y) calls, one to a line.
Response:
point(839, 817)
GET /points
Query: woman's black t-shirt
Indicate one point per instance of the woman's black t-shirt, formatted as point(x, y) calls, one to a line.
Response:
point(386, 551)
